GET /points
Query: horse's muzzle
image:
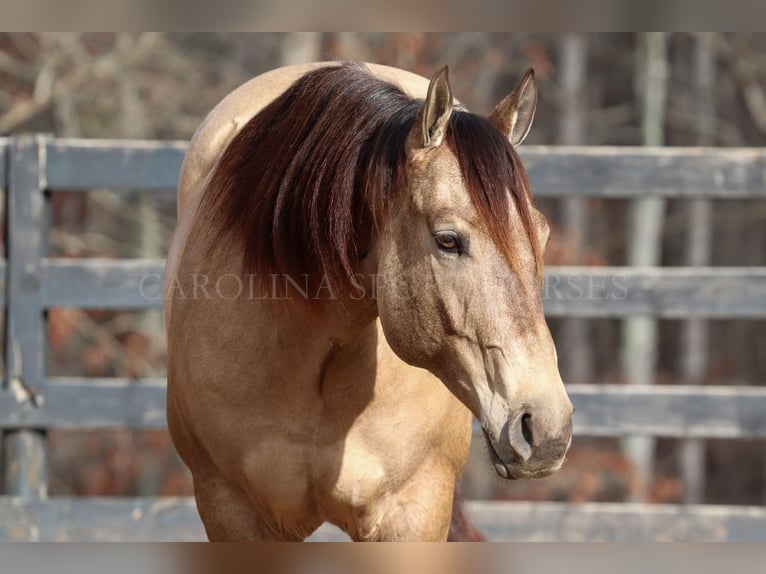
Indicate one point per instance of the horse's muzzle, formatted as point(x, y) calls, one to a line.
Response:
point(522, 453)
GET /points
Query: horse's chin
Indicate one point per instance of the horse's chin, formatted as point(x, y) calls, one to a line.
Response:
point(510, 471)
point(500, 467)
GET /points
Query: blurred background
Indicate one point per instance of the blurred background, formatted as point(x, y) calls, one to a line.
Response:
point(671, 89)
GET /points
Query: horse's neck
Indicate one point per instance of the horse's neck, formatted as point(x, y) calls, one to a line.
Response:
point(334, 329)
point(328, 356)
point(319, 324)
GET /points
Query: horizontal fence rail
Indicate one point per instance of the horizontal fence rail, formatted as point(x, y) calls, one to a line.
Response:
point(32, 403)
point(176, 519)
point(602, 410)
point(554, 171)
point(102, 283)
point(144, 165)
point(665, 292)
point(627, 172)
point(605, 522)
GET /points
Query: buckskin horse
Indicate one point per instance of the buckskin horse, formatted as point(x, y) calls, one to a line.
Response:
point(356, 271)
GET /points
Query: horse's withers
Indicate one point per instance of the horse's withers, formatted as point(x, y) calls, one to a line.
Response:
point(454, 301)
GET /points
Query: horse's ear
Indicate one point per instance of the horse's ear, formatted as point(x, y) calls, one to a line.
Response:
point(433, 118)
point(513, 116)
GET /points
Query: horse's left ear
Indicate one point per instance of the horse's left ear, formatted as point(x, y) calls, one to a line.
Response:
point(513, 116)
point(433, 118)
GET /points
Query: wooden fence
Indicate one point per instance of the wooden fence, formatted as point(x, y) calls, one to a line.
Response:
point(31, 402)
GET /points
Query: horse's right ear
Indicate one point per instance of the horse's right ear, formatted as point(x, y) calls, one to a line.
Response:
point(433, 118)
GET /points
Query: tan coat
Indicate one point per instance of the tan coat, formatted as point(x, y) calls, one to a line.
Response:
point(288, 419)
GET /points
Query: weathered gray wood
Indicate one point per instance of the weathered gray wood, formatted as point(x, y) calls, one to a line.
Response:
point(71, 403)
point(550, 521)
point(25, 463)
point(602, 410)
point(670, 410)
point(568, 291)
point(625, 172)
point(81, 164)
point(106, 519)
point(620, 172)
point(679, 292)
point(24, 452)
point(168, 519)
point(25, 217)
point(176, 519)
point(102, 283)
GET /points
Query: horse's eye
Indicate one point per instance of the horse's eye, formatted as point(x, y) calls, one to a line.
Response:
point(448, 241)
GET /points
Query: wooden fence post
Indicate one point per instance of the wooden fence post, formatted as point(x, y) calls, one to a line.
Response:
point(24, 462)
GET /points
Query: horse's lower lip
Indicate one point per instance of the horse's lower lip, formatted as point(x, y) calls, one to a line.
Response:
point(500, 467)
point(503, 471)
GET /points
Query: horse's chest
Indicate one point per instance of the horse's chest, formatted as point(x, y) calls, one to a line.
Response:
point(294, 475)
point(276, 474)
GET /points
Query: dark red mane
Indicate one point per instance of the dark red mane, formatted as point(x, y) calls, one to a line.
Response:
point(307, 179)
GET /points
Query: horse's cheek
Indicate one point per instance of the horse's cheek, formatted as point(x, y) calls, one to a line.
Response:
point(403, 325)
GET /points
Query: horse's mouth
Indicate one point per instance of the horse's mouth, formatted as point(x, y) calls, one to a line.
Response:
point(500, 468)
point(512, 472)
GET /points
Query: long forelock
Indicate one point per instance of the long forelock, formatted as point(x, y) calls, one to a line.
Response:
point(494, 175)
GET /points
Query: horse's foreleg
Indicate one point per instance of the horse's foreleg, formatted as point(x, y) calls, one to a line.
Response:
point(228, 514)
point(419, 511)
point(460, 529)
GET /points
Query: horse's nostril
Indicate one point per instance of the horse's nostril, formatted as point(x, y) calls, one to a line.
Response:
point(520, 435)
point(526, 428)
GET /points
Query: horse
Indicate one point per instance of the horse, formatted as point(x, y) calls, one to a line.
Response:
point(355, 275)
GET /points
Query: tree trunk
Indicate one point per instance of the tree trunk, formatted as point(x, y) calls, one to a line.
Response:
point(574, 349)
point(639, 353)
point(135, 123)
point(694, 342)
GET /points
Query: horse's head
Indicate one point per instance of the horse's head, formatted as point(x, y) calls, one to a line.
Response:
point(460, 261)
